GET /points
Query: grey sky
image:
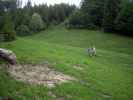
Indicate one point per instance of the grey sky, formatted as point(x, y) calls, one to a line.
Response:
point(51, 2)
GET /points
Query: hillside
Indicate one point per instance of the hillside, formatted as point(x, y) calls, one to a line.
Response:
point(108, 76)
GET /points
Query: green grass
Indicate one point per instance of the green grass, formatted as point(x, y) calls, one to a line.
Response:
point(108, 76)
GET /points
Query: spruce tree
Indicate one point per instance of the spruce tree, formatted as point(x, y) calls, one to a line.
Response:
point(93, 11)
point(111, 10)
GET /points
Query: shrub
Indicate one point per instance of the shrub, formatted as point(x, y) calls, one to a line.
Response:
point(8, 30)
point(78, 20)
point(1, 22)
point(23, 30)
point(36, 23)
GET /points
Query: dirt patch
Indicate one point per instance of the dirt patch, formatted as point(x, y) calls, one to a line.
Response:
point(78, 67)
point(38, 74)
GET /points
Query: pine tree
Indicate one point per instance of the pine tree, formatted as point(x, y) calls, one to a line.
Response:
point(93, 11)
point(111, 10)
point(124, 21)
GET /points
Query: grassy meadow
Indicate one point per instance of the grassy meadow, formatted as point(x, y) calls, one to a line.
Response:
point(108, 76)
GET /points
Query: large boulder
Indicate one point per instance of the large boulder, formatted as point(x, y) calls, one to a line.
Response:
point(8, 56)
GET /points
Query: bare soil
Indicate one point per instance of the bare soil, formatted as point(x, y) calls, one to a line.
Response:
point(38, 75)
point(78, 67)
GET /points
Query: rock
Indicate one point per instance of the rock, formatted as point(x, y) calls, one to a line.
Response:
point(8, 56)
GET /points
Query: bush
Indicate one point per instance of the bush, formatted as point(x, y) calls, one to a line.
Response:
point(78, 20)
point(36, 23)
point(23, 30)
point(8, 30)
point(1, 22)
